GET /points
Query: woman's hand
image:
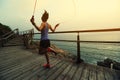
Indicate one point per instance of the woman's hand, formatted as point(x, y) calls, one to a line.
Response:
point(57, 25)
point(32, 20)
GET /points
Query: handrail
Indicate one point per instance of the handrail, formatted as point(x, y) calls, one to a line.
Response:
point(60, 40)
point(94, 30)
point(27, 31)
point(27, 37)
point(10, 32)
point(8, 35)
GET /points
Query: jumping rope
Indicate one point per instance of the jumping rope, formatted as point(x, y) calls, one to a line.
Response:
point(34, 7)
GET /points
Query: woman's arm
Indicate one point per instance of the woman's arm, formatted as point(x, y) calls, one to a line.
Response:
point(34, 24)
point(53, 30)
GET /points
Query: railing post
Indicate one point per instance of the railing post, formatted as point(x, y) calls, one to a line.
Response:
point(32, 33)
point(79, 60)
point(2, 41)
point(17, 31)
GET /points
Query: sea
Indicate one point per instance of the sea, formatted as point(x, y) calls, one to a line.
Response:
point(90, 52)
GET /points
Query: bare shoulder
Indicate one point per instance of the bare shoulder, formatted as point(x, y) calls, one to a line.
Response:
point(49, 25)
point(43, 24)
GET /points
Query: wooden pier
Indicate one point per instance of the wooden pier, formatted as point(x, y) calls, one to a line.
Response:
point(18, 63)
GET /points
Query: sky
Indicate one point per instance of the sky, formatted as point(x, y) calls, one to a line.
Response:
point(71, 14)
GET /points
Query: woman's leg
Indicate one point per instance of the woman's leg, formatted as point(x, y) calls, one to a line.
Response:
point(47, 58)
point(46, 55)
point(44, 51)
point(51, 50)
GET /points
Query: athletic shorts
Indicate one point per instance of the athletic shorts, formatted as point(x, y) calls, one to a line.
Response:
point(45, 43)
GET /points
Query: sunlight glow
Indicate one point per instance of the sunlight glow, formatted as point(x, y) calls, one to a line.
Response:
point(72, 14)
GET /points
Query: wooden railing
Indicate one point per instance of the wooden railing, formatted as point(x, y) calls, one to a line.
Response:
point(27, 37)
point(78, 38)
point(6, 37)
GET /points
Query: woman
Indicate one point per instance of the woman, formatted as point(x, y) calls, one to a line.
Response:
point(44, 28)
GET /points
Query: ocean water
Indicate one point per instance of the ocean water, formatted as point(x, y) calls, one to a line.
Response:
point(90, 52)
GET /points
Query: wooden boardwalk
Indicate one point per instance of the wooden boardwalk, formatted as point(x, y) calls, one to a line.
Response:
point(18, 63)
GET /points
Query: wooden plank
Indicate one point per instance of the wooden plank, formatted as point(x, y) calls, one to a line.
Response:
point(11, 59)
point(33, 72)
point(93, 72)
point(18, 63)
point(117, 74)
point(14, 64)
point(9, 54)
point(21, 69)
point(28, 73)
point(79, 71)
point(14, 42)
point(13, 53)
point(38, 72)
point(108, 75)
point(85, 73)
point(71, 73)
point(34, 76)
point(5, 58)
point(10, 49)
point(100, 73)
point(58, 72)
point(64, 73)
point(51, 71)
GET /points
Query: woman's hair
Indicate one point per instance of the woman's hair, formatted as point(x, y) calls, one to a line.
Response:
point(45, 16)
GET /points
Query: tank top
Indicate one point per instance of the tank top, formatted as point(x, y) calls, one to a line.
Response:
point(44, 33)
